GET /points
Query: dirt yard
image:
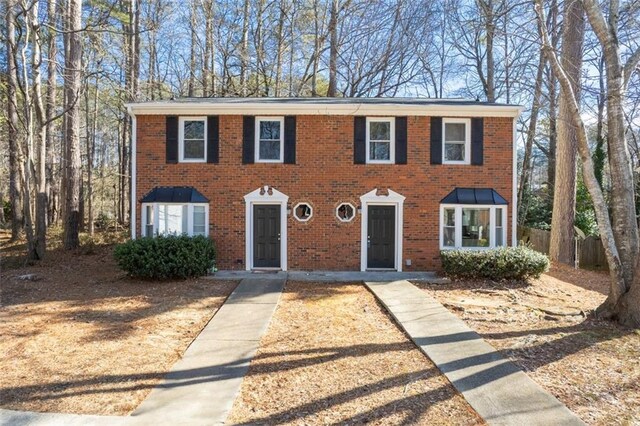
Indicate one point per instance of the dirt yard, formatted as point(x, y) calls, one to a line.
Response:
point(84, 338)
point(332, 355)
point(545, 328)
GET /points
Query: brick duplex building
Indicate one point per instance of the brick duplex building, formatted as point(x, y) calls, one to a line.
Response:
point(326, 183)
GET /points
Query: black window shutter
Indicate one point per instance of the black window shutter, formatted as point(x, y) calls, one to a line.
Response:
point(213, 139)
point(477, 141)
point(172, 139)
point(436, 140)
point(290, 139)
point(248, 139)
point(401, 140)
point(359, 142)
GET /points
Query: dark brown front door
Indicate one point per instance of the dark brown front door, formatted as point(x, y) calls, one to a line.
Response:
point(381, 238)
point(266, 236)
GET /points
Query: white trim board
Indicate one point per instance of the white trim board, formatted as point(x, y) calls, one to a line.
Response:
point(265, 195)
point(306, 108)
point(392, 199)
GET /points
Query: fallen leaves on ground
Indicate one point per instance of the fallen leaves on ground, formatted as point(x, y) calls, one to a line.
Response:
point(546, 328)
point(332, 355)
point(84, 338)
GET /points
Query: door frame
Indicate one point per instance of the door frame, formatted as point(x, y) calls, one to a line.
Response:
point(269, 196)
point(375, 198)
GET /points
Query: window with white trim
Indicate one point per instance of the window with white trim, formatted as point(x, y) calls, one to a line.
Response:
point(380, 140)
point(269, 140)
point(303, 212)
point(192, 134)
point(456, 140)
point(175, 219)
point(345, 212)
point(472, 226)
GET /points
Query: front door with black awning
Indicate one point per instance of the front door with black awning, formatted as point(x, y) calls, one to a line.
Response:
point(266, 236)
point(381, 237)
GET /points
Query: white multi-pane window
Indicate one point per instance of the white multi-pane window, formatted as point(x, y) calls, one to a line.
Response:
point(449, 228)
point(269, 139)
point(175, 219)
point(472, 226)
point(456, 139)
point(192, 135)
point(380, 140)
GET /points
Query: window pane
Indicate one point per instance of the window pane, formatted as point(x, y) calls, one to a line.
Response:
point(498, 217)
point(499, 236)
point(454, 152)
point(194, 130)
point(194, 149)
point(149, 223)
point(449, 217)
point(475, 227)
point(454, 132)
point(270, 130)
point(270, 150)
point(170, 219)
point(449, 237)
point(199, 226)
point(380, 131)
point(379, 151)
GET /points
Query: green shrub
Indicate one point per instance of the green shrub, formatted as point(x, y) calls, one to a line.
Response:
point(515, 263)
point(166, 257)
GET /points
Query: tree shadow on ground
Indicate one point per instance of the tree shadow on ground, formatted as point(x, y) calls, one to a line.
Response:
point(573, 339)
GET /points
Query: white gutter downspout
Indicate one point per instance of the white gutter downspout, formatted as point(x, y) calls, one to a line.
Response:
point(514, 190)
point(133, 172)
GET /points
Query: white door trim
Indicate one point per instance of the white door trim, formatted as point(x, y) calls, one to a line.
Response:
point(373, 198)
point(265, 195)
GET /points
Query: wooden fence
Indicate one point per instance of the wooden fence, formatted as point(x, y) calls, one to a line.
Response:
point(589, 250)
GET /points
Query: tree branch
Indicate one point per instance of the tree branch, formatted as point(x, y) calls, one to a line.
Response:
point(630, 67)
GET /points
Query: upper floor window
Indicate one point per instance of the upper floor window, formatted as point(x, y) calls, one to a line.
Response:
point(193, 136)
point(269, 139)
point(380, 140)
point(457, 140)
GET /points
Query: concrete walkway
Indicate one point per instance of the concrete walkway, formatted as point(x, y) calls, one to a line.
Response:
point(201, 387)
point(495, 387)
point(333, 276)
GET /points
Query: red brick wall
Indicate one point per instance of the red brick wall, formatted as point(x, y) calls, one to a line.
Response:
point(325, 176)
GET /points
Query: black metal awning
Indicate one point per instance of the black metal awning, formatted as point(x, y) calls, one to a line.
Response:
point(174, 194)
point(473, 196)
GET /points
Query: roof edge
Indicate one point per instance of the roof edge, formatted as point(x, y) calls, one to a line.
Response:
point(307, 108)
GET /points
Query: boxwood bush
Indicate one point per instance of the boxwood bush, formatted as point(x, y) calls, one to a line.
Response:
point(166, 257)
point(508, 263)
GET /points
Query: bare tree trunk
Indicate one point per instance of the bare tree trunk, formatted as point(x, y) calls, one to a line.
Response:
point(623, 302)
point(553, 105)
point(16, 160)
point(490, 29)
point(91, 115)
point(51, 184)
point(244, 48)
point(316, 50)
point(192, 57)
point(562, 246)
point(333, 50)
point(72, 154)
point(279, 48)
point(39, 247)
point(598, 153)
point(625, 228)
point(2, 218)
point(531, 134)
point(208, 72)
